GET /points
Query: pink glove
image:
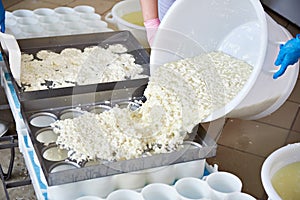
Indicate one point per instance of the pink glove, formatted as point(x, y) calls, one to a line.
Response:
point(151, 26)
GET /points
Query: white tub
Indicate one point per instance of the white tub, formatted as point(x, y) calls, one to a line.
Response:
point(115, 17)
point(278, 159)
point(239, 28)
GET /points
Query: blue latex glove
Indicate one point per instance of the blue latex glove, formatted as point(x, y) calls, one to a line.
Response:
point(2, 17)
point(288, 55)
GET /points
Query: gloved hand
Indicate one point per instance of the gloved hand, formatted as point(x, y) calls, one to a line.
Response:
point(151, 26)
point(2, 17)
point(288, 55)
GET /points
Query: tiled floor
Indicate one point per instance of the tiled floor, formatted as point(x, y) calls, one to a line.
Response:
point(243, 145)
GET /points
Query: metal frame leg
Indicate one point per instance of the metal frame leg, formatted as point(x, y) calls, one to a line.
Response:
point(6, 176)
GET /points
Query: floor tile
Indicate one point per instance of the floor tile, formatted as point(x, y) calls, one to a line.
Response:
point(293, 29)
point(265, 196)
point(205, 125)
point(252, 137)
point(100, 6)
point(214, 129)
point(59, 2)
point(6, 115)
point(246, 166)
point(295, 96)
point(19, 173)
point(296, 125)
point(8, 3)
point(280, 20)
point(284, 116)
point(3, 99)
point(294, 137)
point(31, 5)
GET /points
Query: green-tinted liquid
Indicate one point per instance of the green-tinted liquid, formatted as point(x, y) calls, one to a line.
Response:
point(286, 182)
point(134, 18)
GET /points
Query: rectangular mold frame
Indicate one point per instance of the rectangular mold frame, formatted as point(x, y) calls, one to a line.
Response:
point(57, 44)
point(199, 135)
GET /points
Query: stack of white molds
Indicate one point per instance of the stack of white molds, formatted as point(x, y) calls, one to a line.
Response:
point(216, 186)
point(46, 22)
point(102, 187)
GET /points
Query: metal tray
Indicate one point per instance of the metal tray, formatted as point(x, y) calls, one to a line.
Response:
point(199, 145)
point(54, 101)
point(57, 44)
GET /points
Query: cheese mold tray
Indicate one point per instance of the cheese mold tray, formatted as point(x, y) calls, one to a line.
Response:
point(199, 145)
point(58, 44)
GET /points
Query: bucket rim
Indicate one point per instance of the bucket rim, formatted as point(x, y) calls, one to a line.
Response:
point(119, 18)
point(267, 165)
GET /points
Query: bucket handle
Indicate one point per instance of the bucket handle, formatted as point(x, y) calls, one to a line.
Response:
point(110, 18)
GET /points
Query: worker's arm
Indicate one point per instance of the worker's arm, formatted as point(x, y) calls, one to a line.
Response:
point(149, 9)
point(151, 20)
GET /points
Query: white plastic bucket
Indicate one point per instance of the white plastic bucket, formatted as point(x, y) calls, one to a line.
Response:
point(278, 159)
point(239, 28)
point(126, 7)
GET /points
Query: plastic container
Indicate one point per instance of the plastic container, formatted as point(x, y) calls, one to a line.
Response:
point(193, 168)
point(43, 22)
point(89, 198)
point(132, 180)
point(63, 10)
point(49, 20)
point(165, 174)
point(125, 195)
point(70, 18)
point(56, 30)
point(192, 188)
point(239, 28)
point(84, 9)
point(40, 12)
point(23, 13)
point(125, 7)
point(86, 17)
point(278, 159)
point(27, 21)
point(160, 191)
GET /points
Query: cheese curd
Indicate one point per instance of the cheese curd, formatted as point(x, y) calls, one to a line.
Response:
point(73, 67)
point(179, 95)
